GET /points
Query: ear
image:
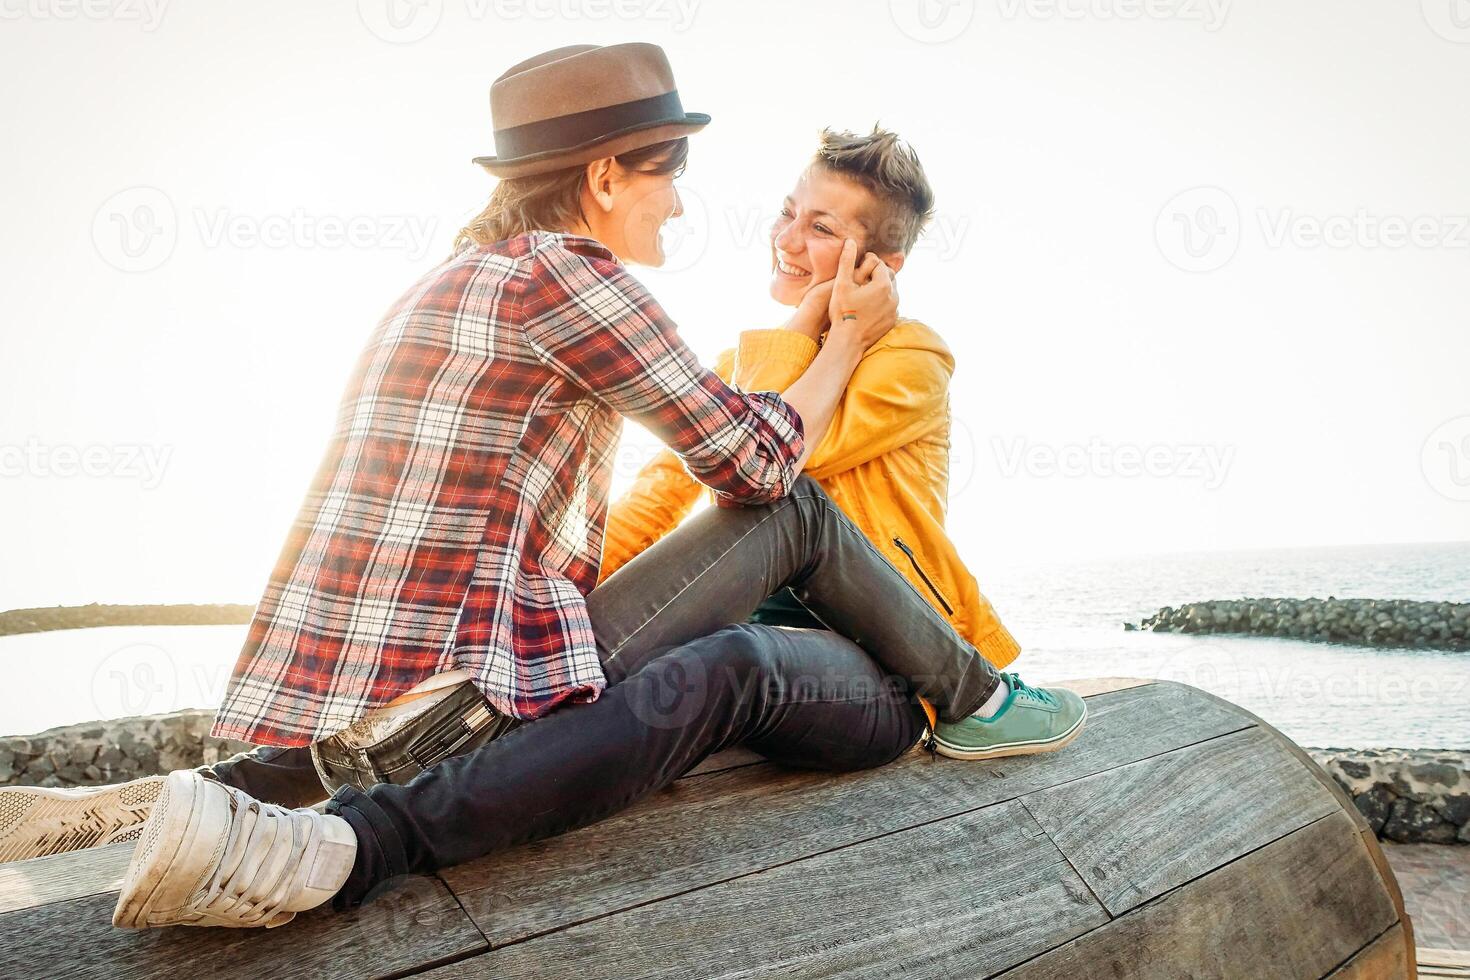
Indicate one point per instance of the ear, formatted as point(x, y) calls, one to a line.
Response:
point(894, 261)
point(600, 179)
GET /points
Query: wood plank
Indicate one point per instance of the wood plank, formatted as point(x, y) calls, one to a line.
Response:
point(61, 877)
point(1137, 831)
point(1443, 963)
point(416, 923)
point(1090, 687)
point(961, 897)
point(1386, 956)
point(701, 831)
point(1298, 907)
point(1306, 760)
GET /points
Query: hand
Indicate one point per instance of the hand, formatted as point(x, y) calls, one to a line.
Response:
point(810, 317)
point(865, 292)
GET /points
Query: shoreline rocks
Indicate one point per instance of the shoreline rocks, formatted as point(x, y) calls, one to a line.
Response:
point(16, 621)
point(114, 751)
point(1411, 796)
point(1366, 622)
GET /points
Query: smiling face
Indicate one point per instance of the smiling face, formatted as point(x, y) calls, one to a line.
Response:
point(806, 240)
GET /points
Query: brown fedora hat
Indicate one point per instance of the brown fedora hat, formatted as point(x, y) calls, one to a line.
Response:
point(577, 104)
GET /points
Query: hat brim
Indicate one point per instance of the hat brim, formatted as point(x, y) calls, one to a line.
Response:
point(610, 145)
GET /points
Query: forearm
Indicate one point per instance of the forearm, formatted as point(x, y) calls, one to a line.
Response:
point(816, 394)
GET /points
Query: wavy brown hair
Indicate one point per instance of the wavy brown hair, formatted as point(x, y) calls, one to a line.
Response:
point(553, 201)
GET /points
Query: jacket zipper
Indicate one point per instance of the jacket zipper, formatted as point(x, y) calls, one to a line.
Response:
point(909, 551)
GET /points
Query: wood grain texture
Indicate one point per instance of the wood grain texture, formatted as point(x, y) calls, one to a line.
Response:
point(1090, 687)
point(701, 831)
point(415, 923)
point(958, 898)
point(40, 881)
point(1297, 908)
point(1387, 956)
point(1138, 830)
point(1444, 963)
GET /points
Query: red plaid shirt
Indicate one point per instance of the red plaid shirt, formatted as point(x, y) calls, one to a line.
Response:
point(457, 518)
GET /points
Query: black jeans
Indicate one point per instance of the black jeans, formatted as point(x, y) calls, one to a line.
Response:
point(683, 682)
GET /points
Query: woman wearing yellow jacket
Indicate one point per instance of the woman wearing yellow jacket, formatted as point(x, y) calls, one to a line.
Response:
point(885, 457)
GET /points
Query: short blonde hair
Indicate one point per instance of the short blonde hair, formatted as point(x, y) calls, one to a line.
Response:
point(889, 169)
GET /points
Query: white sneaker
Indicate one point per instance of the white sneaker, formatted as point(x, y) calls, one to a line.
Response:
point(211, 855)
point(36, 821)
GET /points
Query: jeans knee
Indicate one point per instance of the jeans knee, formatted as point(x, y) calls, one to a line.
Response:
point(735, 655)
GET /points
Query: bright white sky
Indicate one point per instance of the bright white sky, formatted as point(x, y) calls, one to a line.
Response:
point(1292, 392)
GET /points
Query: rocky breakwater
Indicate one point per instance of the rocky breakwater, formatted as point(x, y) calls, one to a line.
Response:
point(1419, 796)
point(1368, 622)
point(112, 751)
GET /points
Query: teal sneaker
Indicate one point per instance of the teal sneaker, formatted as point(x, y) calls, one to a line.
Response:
point(1033, 719)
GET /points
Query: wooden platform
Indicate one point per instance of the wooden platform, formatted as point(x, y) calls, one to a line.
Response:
point(1178, 836)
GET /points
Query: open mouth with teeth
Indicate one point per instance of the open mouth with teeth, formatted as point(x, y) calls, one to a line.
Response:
point(795, 272)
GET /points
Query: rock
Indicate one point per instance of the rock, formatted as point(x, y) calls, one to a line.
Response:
point(1411, 822)
point(1354, 769)
point(1456, 809)
point(1375, 805)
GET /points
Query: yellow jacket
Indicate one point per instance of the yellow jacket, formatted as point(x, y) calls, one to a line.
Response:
point(884, 460)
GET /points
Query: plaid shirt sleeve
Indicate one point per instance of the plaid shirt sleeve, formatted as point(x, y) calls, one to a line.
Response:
point(588, 320)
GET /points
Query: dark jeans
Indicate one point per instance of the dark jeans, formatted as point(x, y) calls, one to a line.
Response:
point(684, 683)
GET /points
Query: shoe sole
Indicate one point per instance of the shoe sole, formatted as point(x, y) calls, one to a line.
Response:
point(38, 821)
point(1014, 748)
point(157, 873)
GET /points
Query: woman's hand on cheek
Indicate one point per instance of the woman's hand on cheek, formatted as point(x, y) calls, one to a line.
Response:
point(810, 317)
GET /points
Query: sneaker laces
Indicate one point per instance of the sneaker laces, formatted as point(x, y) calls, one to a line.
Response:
point(251, 881)
point(1022, 689)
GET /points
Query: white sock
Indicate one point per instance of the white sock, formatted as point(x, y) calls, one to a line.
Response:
point(995, 701)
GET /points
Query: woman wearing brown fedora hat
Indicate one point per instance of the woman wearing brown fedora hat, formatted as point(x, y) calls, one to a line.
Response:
point(437, 589)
